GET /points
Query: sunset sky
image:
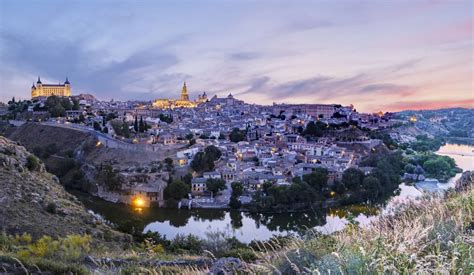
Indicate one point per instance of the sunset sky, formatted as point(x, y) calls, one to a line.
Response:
point(377, 55)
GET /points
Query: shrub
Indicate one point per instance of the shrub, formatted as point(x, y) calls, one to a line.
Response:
point(152, 247)
point(24, 239)
point(51, 208)
point(32, 163)
point(72, 247)
point(244, 254)
point(186, 243)
point(6, 242)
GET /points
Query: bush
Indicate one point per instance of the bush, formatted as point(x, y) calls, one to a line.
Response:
point(186, 243)
point(244, 254)
point(51, 208)
point(32, 163)
point(69, 248)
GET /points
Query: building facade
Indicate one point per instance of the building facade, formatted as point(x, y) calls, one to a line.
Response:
point(314, 110)
point(45, 90)
point(182, 102)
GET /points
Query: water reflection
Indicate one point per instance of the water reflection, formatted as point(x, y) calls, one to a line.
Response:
point(245, 226)
point(257, 226)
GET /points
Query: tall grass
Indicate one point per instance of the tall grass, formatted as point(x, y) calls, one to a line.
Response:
point(431, 235)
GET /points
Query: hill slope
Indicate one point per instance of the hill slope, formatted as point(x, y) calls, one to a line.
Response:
point(33, 201)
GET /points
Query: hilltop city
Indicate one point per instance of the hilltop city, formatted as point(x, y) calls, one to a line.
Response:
point(284, 167)
point(209, 143)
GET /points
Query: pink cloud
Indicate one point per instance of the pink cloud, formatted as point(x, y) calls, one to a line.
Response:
point(458, 31)
point(434, 104)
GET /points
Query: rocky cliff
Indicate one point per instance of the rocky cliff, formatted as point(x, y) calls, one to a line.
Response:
point(33, 201)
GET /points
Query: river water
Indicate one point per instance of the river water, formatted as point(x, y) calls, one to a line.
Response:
point(246, 226)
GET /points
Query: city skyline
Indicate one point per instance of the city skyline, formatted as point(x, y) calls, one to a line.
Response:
point(376, 55)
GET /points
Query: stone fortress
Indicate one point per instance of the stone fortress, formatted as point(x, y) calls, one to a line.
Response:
point(45, 90)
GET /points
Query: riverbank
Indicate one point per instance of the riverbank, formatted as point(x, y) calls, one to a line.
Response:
point(246, 226)
point(431, 235)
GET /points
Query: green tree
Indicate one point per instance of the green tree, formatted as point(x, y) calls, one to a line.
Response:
point(188, 178)
point(169, 164)
point(317, 179)
point(32, 163)
point(165, 118)
point(75, 104)
point(314, 129)
point(237, 135)
point(213, 152)
point(125, 130)
point(135, 125)
point(372, 187)
point(176, 190)
point(110, 178)
point(352, 178)
point(66, 103)
point(237, 189)
point(97, 126)
point(117, 125)
point(215, 185)
point(141, 125)
point(234, 202)
point(204, 161)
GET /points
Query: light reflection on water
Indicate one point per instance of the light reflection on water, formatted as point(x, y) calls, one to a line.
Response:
point(247, 227)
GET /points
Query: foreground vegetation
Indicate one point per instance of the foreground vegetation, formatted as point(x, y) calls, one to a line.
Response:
point(429, 235)
point(432, 235)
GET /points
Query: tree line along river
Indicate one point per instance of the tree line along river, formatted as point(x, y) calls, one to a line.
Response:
point(259, 226)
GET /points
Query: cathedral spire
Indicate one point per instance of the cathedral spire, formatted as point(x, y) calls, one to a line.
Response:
point(184, 93)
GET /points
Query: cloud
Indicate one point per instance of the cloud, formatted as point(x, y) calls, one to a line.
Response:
point(400, 90)
point(453, 33)
point(310, 24)
point(429, 104)
point(365, 86)
point(89, 70)
point(242, 56)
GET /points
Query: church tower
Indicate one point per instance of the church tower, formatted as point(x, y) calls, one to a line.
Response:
point(184, 93)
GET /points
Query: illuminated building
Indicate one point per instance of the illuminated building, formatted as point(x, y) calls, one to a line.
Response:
point(50, 89)
point(182, 102)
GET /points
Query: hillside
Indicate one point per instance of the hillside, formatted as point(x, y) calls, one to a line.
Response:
point(33, 201)
point(74, 157)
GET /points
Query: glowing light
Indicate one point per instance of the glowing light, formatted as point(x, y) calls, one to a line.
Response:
point(413, 119)
point(138, 202)
point(333, 193)
point(98, 143)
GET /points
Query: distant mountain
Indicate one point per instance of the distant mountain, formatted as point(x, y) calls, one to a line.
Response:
point(452, 123)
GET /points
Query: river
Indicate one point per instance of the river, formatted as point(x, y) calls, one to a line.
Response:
point(246, 226)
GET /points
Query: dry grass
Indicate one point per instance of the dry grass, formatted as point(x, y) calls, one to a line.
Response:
point(433, 235)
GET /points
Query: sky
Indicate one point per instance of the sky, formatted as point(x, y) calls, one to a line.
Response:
point(377, 55)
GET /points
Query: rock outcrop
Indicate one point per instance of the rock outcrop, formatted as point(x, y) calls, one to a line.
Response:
point(33, 201)
point(465, 181)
